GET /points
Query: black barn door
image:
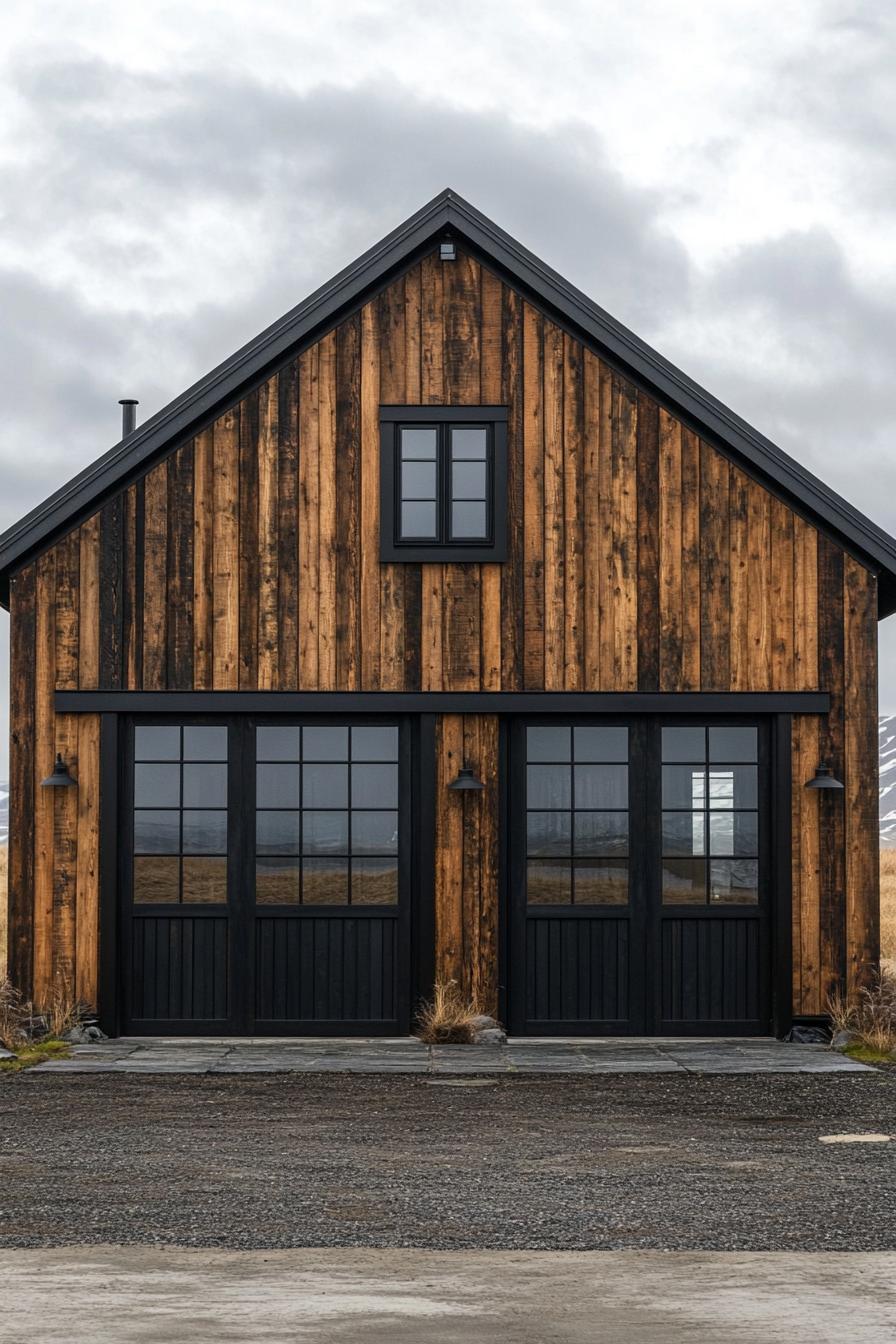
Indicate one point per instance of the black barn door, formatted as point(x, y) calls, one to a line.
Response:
point(266, 882)
point(638, 878)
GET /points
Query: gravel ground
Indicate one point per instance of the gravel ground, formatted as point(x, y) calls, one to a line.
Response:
point(665, 1162)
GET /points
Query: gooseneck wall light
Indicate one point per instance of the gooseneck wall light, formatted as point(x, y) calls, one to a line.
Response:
point(466, 780)
point(60, 778)
point(823, 779)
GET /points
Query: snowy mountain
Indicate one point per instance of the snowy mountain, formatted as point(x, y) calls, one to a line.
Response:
point(887, 752)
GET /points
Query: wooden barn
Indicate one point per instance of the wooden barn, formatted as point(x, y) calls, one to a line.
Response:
point(446, 631)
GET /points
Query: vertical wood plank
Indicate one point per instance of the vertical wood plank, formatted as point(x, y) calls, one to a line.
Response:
point(326, 606)
point(387, 357)
point(155, 577)
point(671, 555)
point(533, 499)
point(512, 573)
point(268, 535)
point(374, 625)
point(830, 806)
point(623, 530)
point(573, 526)
point(348, 503)
point(759, 577)
point(112, 563)
point(648, 545)
point(412, 333)
point(132, 591)
point(690, 560)
point(432, 354)
point(309, 517)
point(591, 537)
point(805, 605)
point(861, 776)
point(715, 585)
point(65, 850)
point(807, 854)
point(44, 756)
point(287, 528)
point(225, 551)
point(739, 579)
point(87, 871)
point(491, 383)
point(89, 605)
point(67, 608)
point(22, 759)
point(203, 560)
point(782, 676)
point(449, 850)
point(485, 977)
point(250, 561)
point(180, 569)
point(554, 538)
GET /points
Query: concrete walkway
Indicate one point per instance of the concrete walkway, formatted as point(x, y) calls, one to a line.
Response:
point(115, 1295)
point(408, 1055)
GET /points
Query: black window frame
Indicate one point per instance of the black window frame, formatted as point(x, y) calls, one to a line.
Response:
point(443, 418)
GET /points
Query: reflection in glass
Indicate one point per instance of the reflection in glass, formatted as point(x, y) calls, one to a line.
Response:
point(734, 833)
point(277, 786)
point(601, 742)
point(325, 881)
point(684, 786)
point(468, 443)
point(418, 480)
point(548, 786)
point(157, 832)
point(204, 832)
point(375, 744)
point(684, 881)
point(329, 743)
point(374, 882)
point(374, 833)
point(277, 881)
point(374, 786)
point(601, 833)
point(418, 443)
point(156, 742)
point(734, 881)
point(418, 519)
point(277, 832)
point(277, 744)
point(468, 480)
point(548, 744)
point(548, 882)
point(733, 744)
point(325, 785)
point(684, 744)
point(601, 786)
point(325, 832)
point(205, 786)
point(736, 787)
point(548, 833)
point(601, 882)
point(156, 785)
point(684, 833)
point(205, 742)
point(156, 881)
point(468, 519)
point(205, 881)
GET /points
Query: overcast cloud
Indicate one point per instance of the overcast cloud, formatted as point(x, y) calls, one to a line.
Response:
point(720, 177)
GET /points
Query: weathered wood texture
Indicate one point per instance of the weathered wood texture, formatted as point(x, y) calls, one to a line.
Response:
point(639, 557)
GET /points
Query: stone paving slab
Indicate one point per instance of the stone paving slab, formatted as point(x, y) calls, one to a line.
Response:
point(409, 1055)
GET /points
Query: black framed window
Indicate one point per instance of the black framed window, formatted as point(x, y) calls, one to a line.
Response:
point(326, 814)
point(577, 814)
point(180, 814)
point(443, 483)
point(710, 824)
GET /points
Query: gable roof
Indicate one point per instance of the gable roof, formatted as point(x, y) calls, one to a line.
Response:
point(450, 215)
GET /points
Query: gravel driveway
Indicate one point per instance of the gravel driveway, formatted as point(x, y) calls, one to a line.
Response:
point(608, 1162)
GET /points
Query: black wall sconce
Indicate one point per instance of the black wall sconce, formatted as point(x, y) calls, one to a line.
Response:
point(823, 779)
point(60, 778)
point(466, 780)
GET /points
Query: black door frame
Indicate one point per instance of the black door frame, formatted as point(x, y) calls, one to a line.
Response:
point(774, 915)
point(416, 744)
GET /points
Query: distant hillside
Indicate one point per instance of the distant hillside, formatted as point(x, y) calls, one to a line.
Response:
point(4, 813)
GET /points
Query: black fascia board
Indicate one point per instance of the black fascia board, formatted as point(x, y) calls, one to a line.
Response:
point(450, 213)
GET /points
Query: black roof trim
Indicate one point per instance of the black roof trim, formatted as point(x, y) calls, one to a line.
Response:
point(448, 211)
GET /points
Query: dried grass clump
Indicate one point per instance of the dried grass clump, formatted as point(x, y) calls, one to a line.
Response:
point(14, 1013)
point(870, 1014)
point(62, 1012)
point(888, 909)
point(447, 1018)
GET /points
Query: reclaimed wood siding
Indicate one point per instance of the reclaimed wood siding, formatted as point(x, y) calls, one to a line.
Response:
point(640, 558)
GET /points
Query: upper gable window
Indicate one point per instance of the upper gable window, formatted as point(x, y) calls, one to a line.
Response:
point(443, 479)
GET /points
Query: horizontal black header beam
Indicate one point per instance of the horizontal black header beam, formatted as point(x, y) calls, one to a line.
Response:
point(441, 702)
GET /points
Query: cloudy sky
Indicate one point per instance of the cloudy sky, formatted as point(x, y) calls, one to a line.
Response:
point(719, 174)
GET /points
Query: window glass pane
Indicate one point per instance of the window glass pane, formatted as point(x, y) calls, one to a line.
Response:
point(325, 882)
point(203, 742)
point(684, 833)
point(601, 743)
point(205, 786)
point(156, 881)
point(684, 744)
point(156, 742)
point(734, 882)
point(418, 480)
point(684, 881)
point(601, 882)
point(374, 882)
point(419, 443)
point(548, 882)
point(325, 832)
point(156, 785)
point(601, 786)
point(277, 744)
point(733, 744)
point(548, 786)
point(277, 832)
point(374, 832)
point(205, 881)
point(684, 786)
point(157, 832)
point(327, 743)
point(375, 744)
point(601, 833)
point(468, 520)
point(548, 744)
point(548, 833)
point(734, 833)
point(418, 520)
point(205, 833)
point(374, 786)
point(469, 443)
point(468, 480)
point(277, 881)
point(325, 785)
point(277, 786)
point(733, 788)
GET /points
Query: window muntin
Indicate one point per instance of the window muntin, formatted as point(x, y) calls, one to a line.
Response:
point(710, 819)
point(326, 822)
point(577, 815)
point(445, 484)
point(180, 814)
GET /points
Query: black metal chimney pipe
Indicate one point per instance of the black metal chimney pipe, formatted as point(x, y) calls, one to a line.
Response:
point(128, 415)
